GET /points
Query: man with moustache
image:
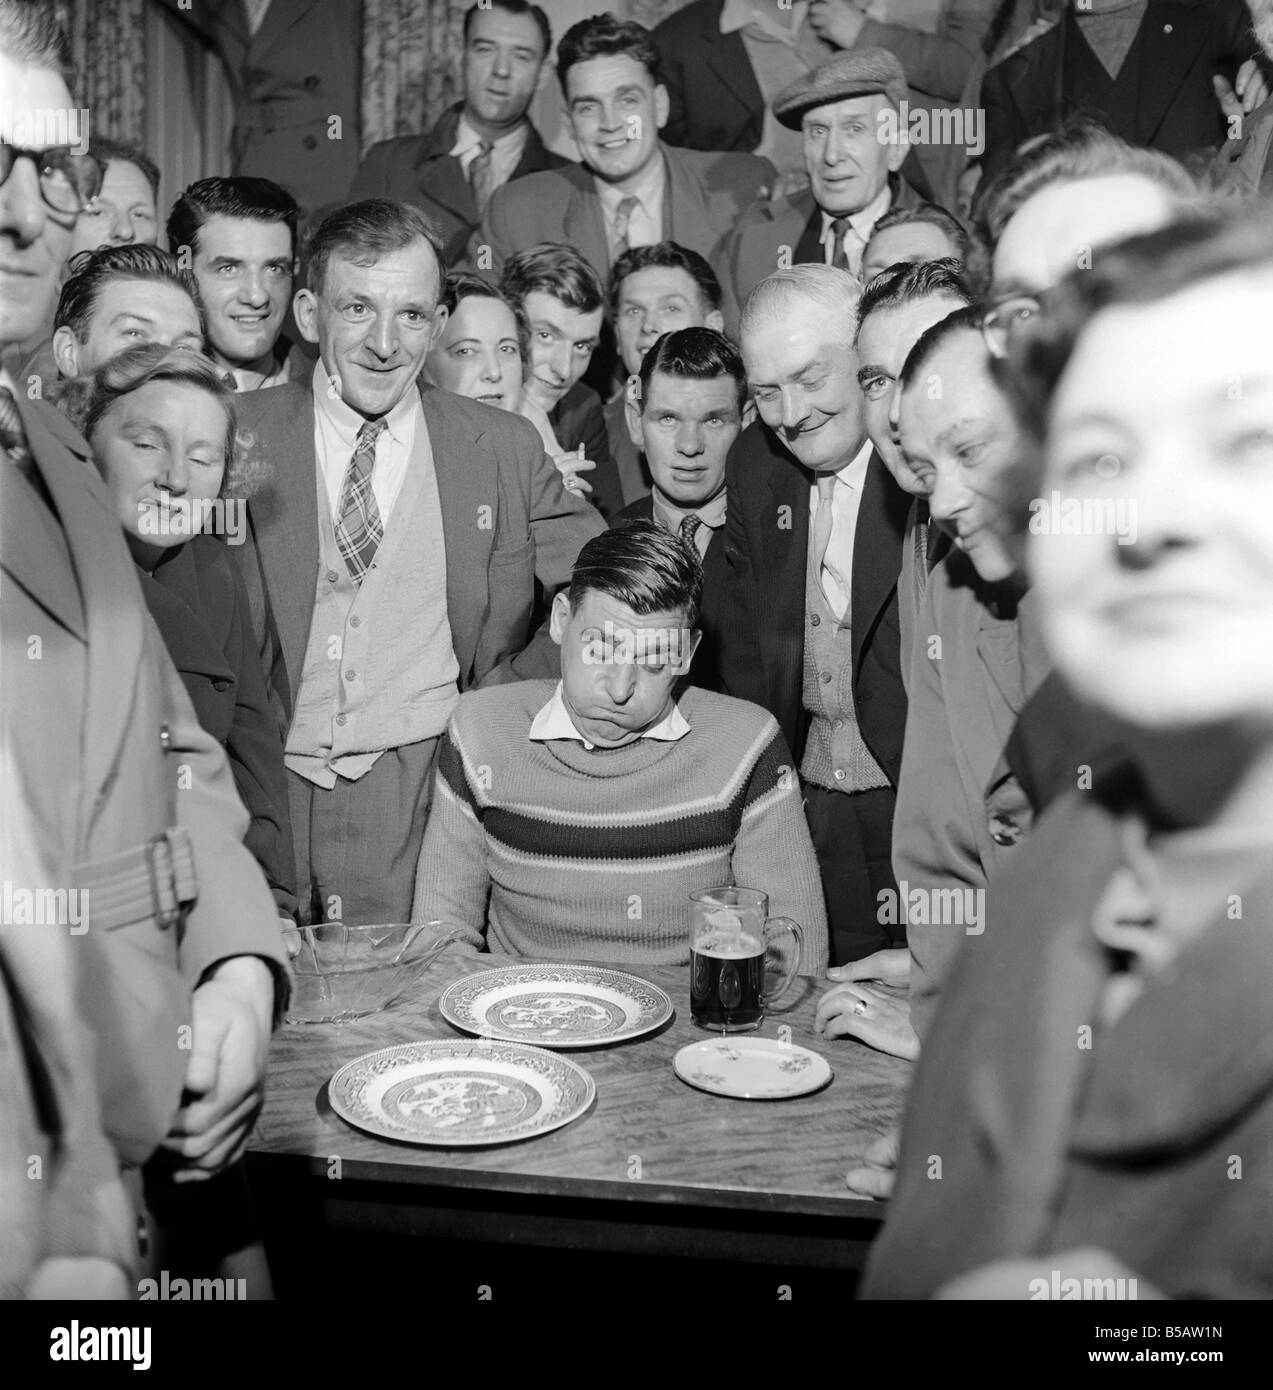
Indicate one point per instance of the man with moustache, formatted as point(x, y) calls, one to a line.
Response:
point(630, 189)
point(482, 142)
point(240, 237)
point(853, 174)
point(685, 410)
point(393, 508)
point(131, 803)
point(813, 537)
point(653, 290)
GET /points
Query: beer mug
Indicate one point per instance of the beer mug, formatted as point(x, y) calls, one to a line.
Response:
point(741, 960)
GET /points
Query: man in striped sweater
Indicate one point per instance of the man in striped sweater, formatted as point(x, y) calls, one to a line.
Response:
point(571, 822)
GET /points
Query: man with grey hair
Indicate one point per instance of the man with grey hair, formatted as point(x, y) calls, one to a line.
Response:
point(813, 534)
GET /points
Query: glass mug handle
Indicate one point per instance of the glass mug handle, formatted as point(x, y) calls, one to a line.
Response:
point(782, 924)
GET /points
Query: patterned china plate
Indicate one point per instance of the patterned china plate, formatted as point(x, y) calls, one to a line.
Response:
point(558, 1006)
point(460, 1092)
point(752, 1068)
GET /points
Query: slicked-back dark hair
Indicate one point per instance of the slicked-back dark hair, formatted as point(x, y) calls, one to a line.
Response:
point(31, 37)
point(108, 152)
point(260, 200)
point(367, 232)
point(556, 270)
point(673, 256)
point(967, 319)
point(515, 7)
point(603, 36)
point(92, 271)
point(904, 284)
point(699, 354)
point(459, 285)
point(950, 226)
point(643, 566)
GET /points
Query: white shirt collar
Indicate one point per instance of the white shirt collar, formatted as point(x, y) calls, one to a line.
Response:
point(711, 513)
point(863, 221)
point(853, 474)
point(346, 421)
point(738, 14)
point(467, 139)
point(554, 722)
point(648, 192)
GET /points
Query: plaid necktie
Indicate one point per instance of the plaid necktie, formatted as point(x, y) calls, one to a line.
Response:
point(13, 437)
point(689, 529)
point(359, 529)
point(619, 233)
point(480, 175)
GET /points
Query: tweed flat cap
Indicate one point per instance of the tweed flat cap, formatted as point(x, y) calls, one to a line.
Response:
point(859, 72)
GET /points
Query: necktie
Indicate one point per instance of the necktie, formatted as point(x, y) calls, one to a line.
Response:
point(847, 246)
point(830, 580)
point(229, 379)
point(359, 529)
point(619, 233)
point(689, 529)
point(481, 174)
point(13, 437)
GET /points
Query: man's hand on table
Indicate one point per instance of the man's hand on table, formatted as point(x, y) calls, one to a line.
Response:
point(875, 1176)
point(877, 1014)
point(225, 1081)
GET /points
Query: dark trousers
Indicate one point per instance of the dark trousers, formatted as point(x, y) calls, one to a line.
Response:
point(853, 838)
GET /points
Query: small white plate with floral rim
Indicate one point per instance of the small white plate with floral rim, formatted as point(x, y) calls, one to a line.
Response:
point(752, 1068)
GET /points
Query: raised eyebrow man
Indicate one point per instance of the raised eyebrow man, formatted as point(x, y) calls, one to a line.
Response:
point(653, 290)
point(482, 142)
point(895, 310)
point(629, 189)
point(813, 537)
point(238, 236)
point(393, 507)
point(120, 297)
point(684, 410)
point(132, 804)
point(841, 109)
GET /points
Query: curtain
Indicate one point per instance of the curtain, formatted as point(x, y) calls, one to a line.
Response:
point(648, 12)
point(108, 42)
point(410, 64)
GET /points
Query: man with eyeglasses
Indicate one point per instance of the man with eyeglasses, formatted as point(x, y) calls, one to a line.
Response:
point(101, 733)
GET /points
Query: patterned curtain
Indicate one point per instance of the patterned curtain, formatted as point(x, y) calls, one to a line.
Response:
point(410, 55)
point(108, 41)
point(649, 12)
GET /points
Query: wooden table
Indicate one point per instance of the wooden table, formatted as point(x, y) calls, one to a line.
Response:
point(654, 1166)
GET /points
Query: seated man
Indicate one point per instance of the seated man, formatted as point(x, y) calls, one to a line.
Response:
point(684, 410)
point(653, 290)
point(562, 299)
point(613, 800)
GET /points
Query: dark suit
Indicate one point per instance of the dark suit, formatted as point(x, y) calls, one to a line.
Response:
point(762, 647)
point(300, 68)
point(489, 463)
point(102, 735)
point(1049, 1144)
point(716, 576)
point(1163, 97)
point(420, 169)
point(704, 197)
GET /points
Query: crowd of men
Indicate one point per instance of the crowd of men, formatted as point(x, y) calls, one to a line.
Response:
point(570, 534)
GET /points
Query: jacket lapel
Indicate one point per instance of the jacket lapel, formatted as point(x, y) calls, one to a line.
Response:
point(29, 538)
point(1173, 37)
point(468, 495)
point(784, 557)
point(877, 551)
point(439, 176)
point(685, 218)
point(281, 17)
point(583, 223)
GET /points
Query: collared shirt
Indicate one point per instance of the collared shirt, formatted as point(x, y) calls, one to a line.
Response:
point(336, 427)
point(554, 721)
point(256, 14)
point(645, 223)
point(837, 566)
point(863, 223)
point(670, 516)
point(779, 54)
point(277, 377)
point(506, 151)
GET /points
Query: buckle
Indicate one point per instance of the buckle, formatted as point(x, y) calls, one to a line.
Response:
point(163, 875)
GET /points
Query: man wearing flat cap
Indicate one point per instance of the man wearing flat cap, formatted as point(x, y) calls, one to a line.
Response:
point(853, 166)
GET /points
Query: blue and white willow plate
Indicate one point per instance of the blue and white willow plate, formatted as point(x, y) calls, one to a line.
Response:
point(557, 1006)
point(460, 1092)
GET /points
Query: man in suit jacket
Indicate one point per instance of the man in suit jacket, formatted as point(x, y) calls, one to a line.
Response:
point(393, 509)
point(684, 411)
point(483, 141)
point(1152, 83)
point(630, 189)
point(813, 537)
point(842, 108)
point(293, 66)
point(129, 798)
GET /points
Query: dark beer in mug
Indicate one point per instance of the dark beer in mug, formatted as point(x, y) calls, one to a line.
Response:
point(727, 986)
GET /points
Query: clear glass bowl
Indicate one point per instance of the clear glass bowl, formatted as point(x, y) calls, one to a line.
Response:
point(344, 972)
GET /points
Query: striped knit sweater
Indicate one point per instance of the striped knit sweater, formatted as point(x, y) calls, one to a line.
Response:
point(555, 851)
